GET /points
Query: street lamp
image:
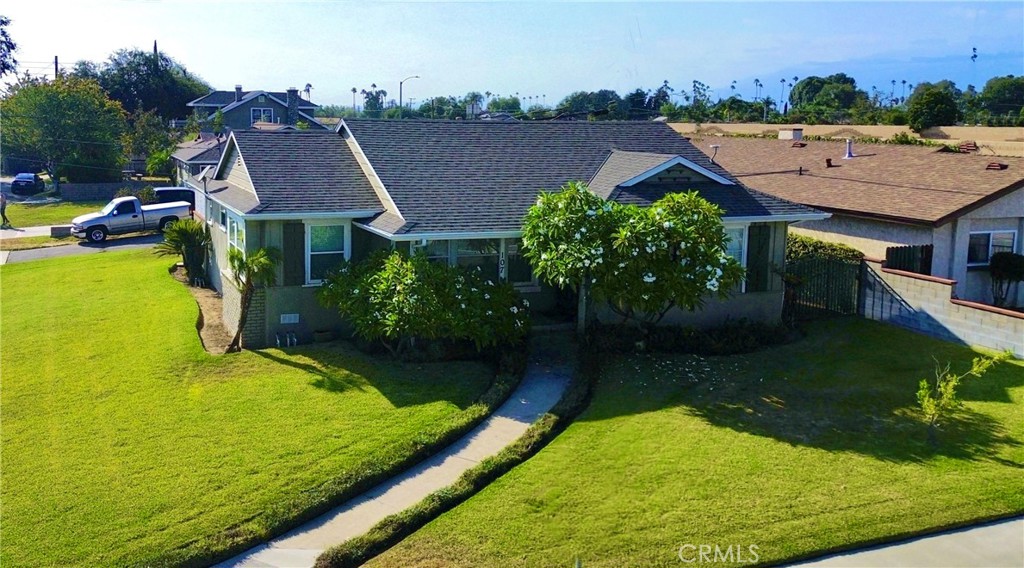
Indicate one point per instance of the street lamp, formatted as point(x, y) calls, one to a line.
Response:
point(400, 92)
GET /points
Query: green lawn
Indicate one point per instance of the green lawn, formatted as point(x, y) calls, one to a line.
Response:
point(123, 441)
point(807, 447)
point(26, 243)
point(60, 213)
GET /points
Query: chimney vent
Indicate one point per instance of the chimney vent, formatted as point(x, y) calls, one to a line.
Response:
point(996, 166)
point(238, 93)
point(293, 107)
point(968, 146)
point(849, 150)
point(799, 144)
point(828, 163)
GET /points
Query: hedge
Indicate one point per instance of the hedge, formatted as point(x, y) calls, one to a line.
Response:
point(799, 247)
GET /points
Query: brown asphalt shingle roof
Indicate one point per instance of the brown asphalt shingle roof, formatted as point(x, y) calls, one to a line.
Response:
point(915, 184)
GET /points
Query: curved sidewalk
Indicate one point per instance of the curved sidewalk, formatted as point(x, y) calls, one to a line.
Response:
point(989, 545)
point(546, 378)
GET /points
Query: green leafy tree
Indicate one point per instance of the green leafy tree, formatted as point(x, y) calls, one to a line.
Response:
point(8, 64)
point(68, 127)
point(505, 104)
point(373, 101)
point(938, 398)
point(258, 268)
point(190, 239)
point(1005, 269)
point(217, 122)
point(932, 107)
point(143, 80)
point(1004, 95)
point(149, 137)
point(642, 261)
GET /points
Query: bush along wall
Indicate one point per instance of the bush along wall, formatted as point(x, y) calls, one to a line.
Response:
point(393, 529)
point(510, 364)
point(799, 247)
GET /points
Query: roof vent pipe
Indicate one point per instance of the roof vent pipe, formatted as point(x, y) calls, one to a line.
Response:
point(849, 150)
point(715, 147)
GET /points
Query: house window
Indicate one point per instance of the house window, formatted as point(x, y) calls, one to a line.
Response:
point(325, 249)
point(518, 270)
point(223, 219)
point(236, 234)
point(436, 251)
point(736, 247)
point(261, 115)
point(478, 253)
point(982, 246)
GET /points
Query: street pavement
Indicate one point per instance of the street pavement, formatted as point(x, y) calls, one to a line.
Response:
point(122, 243)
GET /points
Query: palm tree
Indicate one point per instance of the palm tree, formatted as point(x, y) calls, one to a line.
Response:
point(259, 268)
point(354, 91)
point(190, 239)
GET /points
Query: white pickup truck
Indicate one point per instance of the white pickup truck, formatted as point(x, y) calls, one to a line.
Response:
point(127, 215)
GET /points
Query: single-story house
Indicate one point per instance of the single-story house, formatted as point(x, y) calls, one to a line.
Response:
point(241, 109)
point(961, 207)
point(458, 191)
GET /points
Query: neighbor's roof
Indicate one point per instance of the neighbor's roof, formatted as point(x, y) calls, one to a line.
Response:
point(482, 176)
point(304, 171)
point(203, 151)
point(914, 184)
point(224, 98)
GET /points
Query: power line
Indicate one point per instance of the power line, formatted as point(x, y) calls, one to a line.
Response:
point(69, 164)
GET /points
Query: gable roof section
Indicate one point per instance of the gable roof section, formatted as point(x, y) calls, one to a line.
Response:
point(200, 152)
point(908, 184)
point(296, 172)
point(482, 176)
point(623, 169)
point(313, 123)
point(224, 98)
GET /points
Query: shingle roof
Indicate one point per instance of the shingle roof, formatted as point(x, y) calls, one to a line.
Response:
point(205, 151)
point(234, 197)
point(223, 98)
point(479, 176)
point(907, 183)
point(304, 171)
point(735, 200)
point(621, 166)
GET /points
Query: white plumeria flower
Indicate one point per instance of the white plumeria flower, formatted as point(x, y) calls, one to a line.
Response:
point(526, 302)
point(487, 296)
point(667, 224)
point(463, 306)
point(586, 262)
point(591, 213)
point(514, 310)
point(649, 278)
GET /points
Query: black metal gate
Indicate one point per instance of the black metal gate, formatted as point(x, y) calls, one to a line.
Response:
point(822, 287)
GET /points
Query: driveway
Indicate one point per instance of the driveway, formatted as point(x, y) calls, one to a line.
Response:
point(123, 243)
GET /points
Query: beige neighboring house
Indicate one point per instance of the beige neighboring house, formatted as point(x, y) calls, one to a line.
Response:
point(966, 206)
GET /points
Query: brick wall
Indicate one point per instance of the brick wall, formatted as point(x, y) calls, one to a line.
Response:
point(99, 191)
point(926, 304)
point(254, 336)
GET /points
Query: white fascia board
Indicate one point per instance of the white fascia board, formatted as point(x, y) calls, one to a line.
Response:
point(677, 161)
point(227, 144)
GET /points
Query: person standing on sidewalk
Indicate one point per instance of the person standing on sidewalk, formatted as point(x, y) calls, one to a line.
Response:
point(3, 209)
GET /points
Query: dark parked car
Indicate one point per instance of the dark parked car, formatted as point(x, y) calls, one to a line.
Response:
point(27, 184)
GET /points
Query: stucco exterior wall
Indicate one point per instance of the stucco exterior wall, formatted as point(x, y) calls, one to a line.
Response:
point(866, 235)
point(925, 304)
point(759, 306)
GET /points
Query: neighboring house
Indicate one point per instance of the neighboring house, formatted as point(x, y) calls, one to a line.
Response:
point(192, 156)
point(458, 191)
point(241, 109)
point(964, 205)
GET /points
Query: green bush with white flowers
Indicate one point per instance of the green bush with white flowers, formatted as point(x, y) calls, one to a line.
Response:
point(401, 300)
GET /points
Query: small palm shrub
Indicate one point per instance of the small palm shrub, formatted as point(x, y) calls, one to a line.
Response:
point(190, 239)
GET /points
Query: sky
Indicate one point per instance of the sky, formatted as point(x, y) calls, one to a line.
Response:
point(542, 51)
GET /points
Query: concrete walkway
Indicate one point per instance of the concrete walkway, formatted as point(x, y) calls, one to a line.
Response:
point(547, 376)
point(20, 232)
point(992, 545)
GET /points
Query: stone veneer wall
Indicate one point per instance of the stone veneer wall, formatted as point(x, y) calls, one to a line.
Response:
point(253, 336)
point(926, 304)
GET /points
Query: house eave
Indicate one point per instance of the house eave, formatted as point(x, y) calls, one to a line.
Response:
point(441, 236)
point(791, 218)
point(298, 216)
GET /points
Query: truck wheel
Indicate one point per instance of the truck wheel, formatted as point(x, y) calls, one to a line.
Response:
point(96, 234)
point(165, 222)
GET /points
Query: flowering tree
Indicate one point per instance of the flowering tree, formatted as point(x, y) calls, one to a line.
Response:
point(397, 299)
point(642, 261)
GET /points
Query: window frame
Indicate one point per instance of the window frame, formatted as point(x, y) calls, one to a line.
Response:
point(527, 285)
point(988, 256)
point(263, 111)
point(308, 249)
point(232, 231)
point(744, 246)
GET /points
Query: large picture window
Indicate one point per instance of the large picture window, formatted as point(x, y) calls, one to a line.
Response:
point(982, 246)
point(736, 248)
point(236, 233)
point(478, 253)
point(325, 249)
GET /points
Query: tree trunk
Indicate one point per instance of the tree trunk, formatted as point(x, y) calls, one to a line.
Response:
point(581, 309)
point(52, 171)
point(243, 316)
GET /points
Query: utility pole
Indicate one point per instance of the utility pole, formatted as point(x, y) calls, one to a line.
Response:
point(400, 83)
point(56, 68)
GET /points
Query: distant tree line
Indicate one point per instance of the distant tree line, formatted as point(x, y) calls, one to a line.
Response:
point(835, 99)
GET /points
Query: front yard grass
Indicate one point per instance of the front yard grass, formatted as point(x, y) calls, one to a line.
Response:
point(125, 444)
point(797, 450)
point(56, 213)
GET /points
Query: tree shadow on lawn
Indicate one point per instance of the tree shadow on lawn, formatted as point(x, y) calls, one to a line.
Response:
point(339, 367)
point(833, 391)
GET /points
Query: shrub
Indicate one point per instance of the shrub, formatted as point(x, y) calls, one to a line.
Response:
point(800, 247)
point(401, 301)
point(732, 337)
point(146, 195)
point(190, 239)
point(1005, 268)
